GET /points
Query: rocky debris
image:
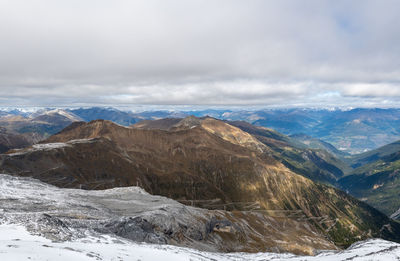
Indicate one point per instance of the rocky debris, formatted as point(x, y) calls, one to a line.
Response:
point(215, 225)
point(134, 228)
point(53, 228)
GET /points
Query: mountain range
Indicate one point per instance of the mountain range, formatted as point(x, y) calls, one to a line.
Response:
point(351, 131)
point(246, 172)
point(211, 164)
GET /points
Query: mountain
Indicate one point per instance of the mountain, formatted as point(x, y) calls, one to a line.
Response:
point(43, 122)
point(316, 164)
point(130, 214)
point(117, 116)
point(360, 129)
point(14, 141)
point(314, 143)
point(351, 131)
point(354, 131)
point(205, 163)
point(124, 118)
point(376, 179)
point(43, 222)
point(19, 130)
point(287, 121)
point(374, 155)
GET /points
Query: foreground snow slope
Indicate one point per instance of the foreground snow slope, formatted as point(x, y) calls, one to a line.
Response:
point(42, 222)
point(17, 244)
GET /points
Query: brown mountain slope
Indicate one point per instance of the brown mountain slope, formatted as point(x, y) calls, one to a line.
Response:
point(318, 165)
point(211, 164)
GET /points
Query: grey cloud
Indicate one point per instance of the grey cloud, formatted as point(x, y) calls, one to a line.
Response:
point(199, 52)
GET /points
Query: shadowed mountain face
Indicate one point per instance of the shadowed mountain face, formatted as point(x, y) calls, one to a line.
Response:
point(316, 164)
point(12, 140)
point(376, 178)
point(202, 162)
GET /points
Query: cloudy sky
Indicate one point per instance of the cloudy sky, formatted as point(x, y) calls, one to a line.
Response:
point(209, 52)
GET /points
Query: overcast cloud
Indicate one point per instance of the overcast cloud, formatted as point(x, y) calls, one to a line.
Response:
point(216, 52)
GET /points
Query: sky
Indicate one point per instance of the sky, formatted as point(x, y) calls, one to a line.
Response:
point(309, 53)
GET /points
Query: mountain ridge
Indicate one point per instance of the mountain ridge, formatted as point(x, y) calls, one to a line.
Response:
point(207, 168)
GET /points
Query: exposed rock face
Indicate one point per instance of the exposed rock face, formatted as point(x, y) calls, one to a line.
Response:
point(134, 228)
point(206, 163)
point(131, 213)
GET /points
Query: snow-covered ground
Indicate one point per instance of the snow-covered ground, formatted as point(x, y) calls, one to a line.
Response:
point(48, 146)
point(42, 222)
point(17, 244)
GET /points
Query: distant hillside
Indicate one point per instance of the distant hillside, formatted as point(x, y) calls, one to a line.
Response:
point(99, 113)
point(314, 143)
point(376, 179)
point(316, 164)
point(374, 155)
point(24, 129)
point(353, 131)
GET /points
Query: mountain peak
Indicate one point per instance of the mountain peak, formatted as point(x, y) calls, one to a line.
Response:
point(188, 123)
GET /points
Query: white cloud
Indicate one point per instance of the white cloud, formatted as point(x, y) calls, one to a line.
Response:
point(199, 52)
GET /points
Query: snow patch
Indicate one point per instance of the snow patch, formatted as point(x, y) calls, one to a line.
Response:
point(49, 146)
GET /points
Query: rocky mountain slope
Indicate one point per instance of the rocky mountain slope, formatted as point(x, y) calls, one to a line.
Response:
point(205, 163)
point(42, 222)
